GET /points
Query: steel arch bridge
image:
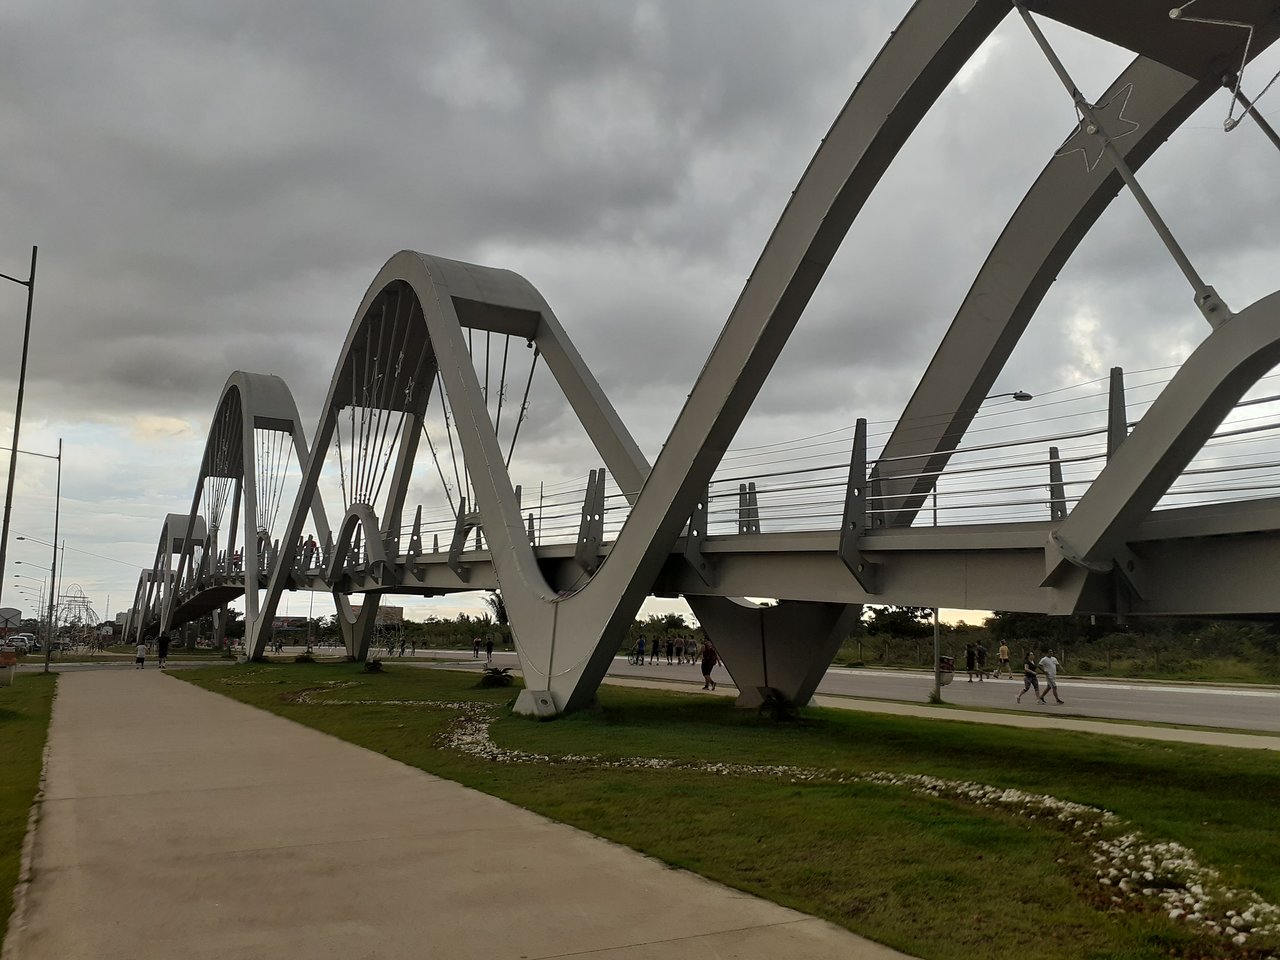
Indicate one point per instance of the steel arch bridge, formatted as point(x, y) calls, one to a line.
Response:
point(1111, 536)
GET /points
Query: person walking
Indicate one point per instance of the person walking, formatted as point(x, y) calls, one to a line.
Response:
point(709, 659)
point(970, 659)
point(162, 649)
point(488, 651)
point(671, 649)
point(981, 653)
point(1049, 664)
point(638, 658)
point(1029, 681)
point(141, 657)
point(1003, 655)
point(475, 648)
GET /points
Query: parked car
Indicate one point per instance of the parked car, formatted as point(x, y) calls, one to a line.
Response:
point(24, 642)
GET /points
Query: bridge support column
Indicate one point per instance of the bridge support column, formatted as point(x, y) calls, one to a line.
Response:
point(220, 619)
point(357, 628)
point(783, 649)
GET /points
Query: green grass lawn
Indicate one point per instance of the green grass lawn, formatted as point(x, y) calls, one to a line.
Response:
point(24, 722)
point(934, 876)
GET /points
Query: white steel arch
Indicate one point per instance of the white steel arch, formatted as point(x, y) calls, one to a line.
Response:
point(409, 330)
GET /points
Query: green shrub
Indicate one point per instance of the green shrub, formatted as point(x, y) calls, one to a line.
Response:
point(496, 677)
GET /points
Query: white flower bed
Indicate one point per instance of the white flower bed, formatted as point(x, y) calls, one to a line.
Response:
point(1143, 874)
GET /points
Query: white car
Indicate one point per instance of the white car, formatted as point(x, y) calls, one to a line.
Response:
point(23, 642)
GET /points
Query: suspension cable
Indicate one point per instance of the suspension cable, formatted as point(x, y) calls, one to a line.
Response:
point(524, 405)
point(502, 384)
point(444, 409)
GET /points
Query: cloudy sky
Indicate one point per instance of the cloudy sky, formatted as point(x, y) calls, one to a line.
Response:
point(213, 187)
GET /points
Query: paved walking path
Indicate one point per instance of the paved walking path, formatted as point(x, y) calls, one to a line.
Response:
point(178, 823)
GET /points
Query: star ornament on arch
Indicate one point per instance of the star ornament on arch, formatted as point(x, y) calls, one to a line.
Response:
point(1090, 141)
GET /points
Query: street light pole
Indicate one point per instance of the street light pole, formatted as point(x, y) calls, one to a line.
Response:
point(1022, 397)
point(43, 586)
point(937, 659)
point(53, 567)
point(30, 284)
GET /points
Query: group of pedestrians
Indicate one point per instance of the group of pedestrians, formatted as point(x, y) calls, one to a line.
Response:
point(1049, 664)
point(679, 650)
point(411, 644)
point(975, 663)
point(162, 652)
point(975, 660)
point(487, 641)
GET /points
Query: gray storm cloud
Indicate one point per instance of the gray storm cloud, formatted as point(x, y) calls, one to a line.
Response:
point(214, 185)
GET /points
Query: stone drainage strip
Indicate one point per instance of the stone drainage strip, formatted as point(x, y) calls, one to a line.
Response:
point(1141, 874)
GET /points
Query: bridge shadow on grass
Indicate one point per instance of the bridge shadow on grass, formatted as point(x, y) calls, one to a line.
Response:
point(932, 875)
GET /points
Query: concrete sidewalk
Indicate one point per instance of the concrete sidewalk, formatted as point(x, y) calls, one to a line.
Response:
point(180, 824)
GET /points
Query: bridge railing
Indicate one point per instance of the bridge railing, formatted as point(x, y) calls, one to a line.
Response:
point(1001, 474)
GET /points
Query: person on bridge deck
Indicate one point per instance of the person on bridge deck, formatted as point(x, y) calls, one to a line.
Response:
point(1003, 654)
point(970, 659)
point(141, 658)
point(709, 659)
point(1049, 664)
point(1029, 681)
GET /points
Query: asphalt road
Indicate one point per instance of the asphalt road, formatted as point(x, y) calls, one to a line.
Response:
point(1193, 704)
point(1233, 707)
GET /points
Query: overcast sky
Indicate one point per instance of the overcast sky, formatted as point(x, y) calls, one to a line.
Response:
point(213, 187)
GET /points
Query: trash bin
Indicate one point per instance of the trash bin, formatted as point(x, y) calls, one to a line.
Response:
point(946, 670)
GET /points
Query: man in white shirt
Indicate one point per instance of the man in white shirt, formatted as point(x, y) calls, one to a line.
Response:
point(141, 658)
point(1049, 664)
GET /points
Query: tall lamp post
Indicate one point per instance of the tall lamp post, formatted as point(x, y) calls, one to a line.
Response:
point(53, 565)
point(40, 580)
point(936, 696)
point(28, 593)
point(58, 507)
point(30, 284)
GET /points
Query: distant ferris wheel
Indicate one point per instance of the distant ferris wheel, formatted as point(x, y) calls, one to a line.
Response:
point(75, 614)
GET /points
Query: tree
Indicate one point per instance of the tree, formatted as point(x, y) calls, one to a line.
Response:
point(1037, 628)
point(673, 623)
point(498, 607)
point(900, 621)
